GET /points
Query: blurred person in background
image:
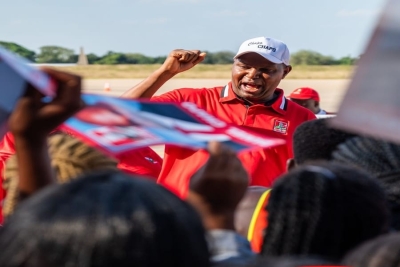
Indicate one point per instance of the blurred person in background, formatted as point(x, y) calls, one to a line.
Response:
point(308, 98)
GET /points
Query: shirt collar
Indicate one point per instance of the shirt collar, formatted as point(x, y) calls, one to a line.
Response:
point(279, 105)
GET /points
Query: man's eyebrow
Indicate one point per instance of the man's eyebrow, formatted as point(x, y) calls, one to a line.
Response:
point(241, 61)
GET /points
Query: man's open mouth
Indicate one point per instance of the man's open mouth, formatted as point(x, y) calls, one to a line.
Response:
point(250, 87)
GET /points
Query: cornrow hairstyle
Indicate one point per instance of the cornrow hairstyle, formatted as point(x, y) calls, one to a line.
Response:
point(382, 160)
point(104, 219)
point(383, 251)
point(324, 209)
point(69, 158)
point(316, 140)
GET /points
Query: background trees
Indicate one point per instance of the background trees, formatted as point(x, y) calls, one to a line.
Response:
point(20, 50)
point(57, 54)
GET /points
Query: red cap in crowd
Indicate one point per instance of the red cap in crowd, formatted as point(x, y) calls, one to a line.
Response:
point(304, 93)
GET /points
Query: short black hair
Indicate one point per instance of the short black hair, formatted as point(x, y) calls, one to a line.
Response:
point(324, 209)
point(316, 140)
point(382, 251)
point(291, 261)
point(104, 219)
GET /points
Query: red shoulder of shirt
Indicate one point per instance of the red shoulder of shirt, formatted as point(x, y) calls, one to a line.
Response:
point(144, 161)
point(300, 112)
point(190, 94)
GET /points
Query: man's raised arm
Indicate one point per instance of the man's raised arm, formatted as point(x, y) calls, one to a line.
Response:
point(177, 61)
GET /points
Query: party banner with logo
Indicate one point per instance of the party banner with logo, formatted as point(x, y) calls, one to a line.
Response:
point(117, 125)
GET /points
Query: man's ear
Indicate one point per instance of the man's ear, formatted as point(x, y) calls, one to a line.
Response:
point(290, 164)
point(286, 70)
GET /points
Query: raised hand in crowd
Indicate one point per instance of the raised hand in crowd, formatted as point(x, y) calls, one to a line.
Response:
point(217, 188)
point(178, 61)
point(31, 122)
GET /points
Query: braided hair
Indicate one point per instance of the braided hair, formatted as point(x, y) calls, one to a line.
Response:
point(382, 251)
point(382, 160)
point(324, 209)
point(69, 158)
point(316, 140)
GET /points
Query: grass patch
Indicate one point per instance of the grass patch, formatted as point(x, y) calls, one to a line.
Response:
point(201, 71)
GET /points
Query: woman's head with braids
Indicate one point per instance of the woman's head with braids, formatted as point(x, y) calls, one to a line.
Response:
point(379, 158)
point(383, 251)
point(69, 158)
point(324, 209)
point(316, 140)
point(104, 219)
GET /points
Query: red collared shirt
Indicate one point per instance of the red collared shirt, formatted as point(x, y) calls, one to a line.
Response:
point(280, 119)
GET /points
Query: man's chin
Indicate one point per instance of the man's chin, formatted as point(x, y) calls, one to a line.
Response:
point(249, 96)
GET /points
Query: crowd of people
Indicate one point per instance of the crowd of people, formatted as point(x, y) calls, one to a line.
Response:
point(324, 198)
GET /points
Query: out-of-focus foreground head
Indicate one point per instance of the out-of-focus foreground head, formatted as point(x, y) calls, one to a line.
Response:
point(324, 209)
point(316, 140)
point(379, 252)
point(382, 160)
point(104, 219)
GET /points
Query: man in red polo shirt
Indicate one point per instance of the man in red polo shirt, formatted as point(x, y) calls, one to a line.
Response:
point(250, 99)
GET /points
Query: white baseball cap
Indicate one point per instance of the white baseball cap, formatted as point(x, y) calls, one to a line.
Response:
point(269, 48)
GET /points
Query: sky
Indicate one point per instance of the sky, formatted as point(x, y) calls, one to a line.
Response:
point(155, 27)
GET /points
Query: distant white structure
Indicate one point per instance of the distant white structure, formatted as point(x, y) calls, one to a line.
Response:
point(82, 60)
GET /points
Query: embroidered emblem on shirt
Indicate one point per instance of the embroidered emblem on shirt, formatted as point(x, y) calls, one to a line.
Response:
point(280, 126)
point(151, 160)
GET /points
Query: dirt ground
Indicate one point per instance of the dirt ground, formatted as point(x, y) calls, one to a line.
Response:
point(331, 91)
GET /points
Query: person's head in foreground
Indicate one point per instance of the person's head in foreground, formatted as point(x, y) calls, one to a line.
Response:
point(382, 160)
point(258, 67)
point(250, 215)
point(316, 140)
point(292, 261)
point(324, 209)
point(103, 219)
point(383, 251)
point(306, 97)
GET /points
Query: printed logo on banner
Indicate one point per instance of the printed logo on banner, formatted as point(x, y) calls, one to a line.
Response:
point(117, 125)
point(118, 136)
point(280, 126)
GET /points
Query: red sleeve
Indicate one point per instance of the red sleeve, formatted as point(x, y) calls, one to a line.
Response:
point(7, 149)
point(144, 161)
point(311, 116)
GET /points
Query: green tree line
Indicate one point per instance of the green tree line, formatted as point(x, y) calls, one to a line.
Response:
point(57, 54)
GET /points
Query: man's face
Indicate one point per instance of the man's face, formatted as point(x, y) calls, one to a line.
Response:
point(308, 104)
point(255, 78)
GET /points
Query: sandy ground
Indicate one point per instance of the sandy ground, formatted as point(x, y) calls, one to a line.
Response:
point(331, 91)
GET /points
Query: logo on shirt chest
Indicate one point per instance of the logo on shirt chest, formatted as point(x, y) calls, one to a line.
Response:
point(280, 126)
